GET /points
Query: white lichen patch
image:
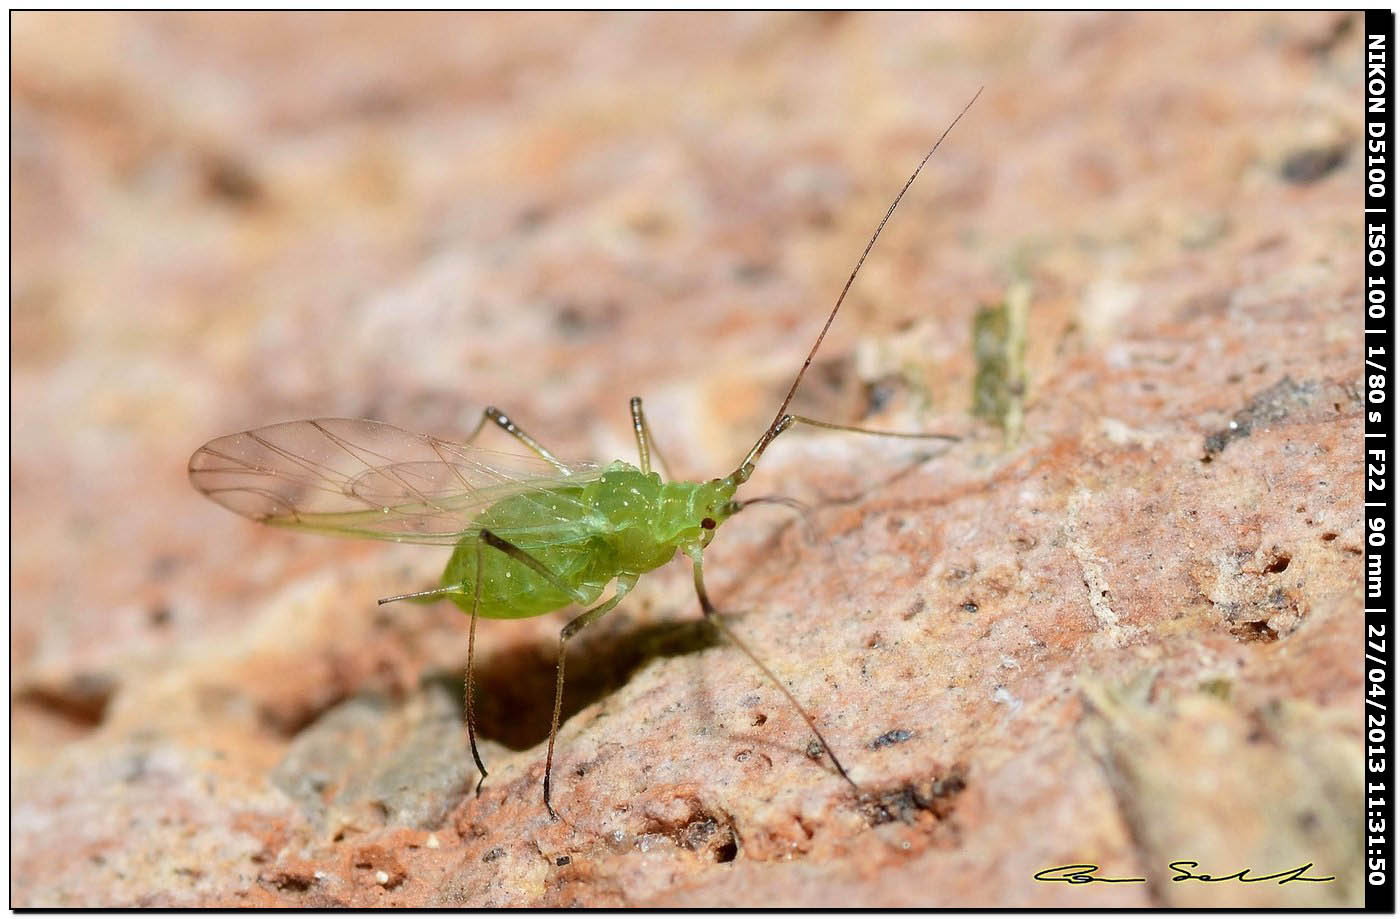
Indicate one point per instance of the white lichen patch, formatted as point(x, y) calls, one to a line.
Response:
point(1091, 568)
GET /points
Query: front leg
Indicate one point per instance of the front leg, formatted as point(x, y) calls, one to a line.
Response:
point(715, 618)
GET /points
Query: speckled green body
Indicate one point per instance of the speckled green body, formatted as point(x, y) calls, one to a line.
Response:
point(621, 523)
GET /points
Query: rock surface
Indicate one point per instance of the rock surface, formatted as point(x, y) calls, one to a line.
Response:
point(1131, 637)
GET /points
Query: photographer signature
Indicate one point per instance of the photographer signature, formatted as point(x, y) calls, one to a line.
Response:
point(1084, 874)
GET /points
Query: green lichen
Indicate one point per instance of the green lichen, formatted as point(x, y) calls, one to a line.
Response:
point(999, 345)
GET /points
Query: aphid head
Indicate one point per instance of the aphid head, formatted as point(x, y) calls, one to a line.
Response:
point(714, 504)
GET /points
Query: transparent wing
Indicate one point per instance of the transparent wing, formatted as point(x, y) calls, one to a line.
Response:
point(365, 478)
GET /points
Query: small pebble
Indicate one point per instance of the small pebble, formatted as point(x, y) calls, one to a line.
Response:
point(382, 877)
point(432, 841)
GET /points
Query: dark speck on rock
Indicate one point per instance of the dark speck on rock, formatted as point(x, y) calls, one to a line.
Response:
point(1302, 167)
point(230, 180)
point(753, 272)
point(889, 738)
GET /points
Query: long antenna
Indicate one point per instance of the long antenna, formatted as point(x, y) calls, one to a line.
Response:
point(782, 409)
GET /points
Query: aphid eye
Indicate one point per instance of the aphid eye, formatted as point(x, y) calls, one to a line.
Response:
point(708, 523)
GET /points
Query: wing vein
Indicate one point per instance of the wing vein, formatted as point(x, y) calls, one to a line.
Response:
point(370, 479)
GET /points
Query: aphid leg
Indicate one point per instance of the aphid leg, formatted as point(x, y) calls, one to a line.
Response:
point(467, 682)
point(624, 584)
point(423, 594)
point(571, 629)
point(645, 442)
point(639, 427)
point(510, 427)
point(715, 618)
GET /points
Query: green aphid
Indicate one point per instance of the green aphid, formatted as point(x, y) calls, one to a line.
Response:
point(530, 533)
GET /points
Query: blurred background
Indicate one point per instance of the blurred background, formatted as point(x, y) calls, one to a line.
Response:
point(220, 221)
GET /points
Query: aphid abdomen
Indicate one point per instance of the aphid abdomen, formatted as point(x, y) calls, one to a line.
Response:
point(547, 525)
